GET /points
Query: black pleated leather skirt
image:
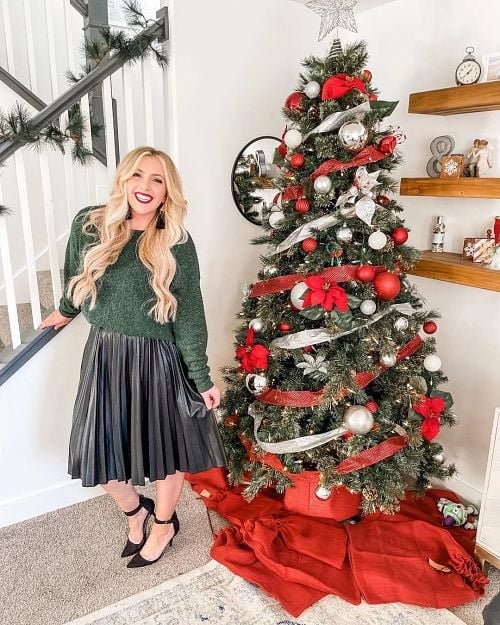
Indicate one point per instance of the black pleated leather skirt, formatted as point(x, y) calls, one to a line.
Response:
point(136, 414)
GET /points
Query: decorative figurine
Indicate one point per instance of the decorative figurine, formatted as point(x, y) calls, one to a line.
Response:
point(472, 158)
point(483, 159)
point(458, 514)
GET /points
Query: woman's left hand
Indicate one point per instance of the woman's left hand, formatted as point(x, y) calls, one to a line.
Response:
point(211, 397)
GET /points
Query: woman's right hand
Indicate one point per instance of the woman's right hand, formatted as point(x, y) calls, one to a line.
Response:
point(55, 320)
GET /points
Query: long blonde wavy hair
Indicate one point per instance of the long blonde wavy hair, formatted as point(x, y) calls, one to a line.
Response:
point(113, 231)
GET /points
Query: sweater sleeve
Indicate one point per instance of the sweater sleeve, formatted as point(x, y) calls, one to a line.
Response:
point(72, 262)
point(189, 327)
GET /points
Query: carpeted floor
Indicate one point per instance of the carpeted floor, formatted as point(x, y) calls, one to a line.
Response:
point(66, 564)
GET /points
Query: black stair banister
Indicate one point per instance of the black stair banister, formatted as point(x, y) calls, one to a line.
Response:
point(106, 67)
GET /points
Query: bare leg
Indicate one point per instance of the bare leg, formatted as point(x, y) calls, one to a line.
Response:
point(168, 492)
point(126, 498)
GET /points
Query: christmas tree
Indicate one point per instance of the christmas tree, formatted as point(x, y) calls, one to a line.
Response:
point(336, 367)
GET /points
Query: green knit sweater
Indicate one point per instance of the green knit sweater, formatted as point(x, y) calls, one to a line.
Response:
point(124, 297)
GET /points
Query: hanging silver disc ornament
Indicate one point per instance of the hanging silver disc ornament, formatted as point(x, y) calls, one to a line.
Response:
point(256, 383)
point(440, 457)
point(401, 324)
point(353, 136)
point(312, 89)
point(322, 184)
point(368, 307)
point(257, 325)
point(323, 493)
point(388, 359)
point(293, 138)
point(358, 419)
point(344, 234)
point(297, 295)
point(377, 240)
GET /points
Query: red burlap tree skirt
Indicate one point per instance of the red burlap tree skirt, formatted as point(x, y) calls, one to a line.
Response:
point(300, 558)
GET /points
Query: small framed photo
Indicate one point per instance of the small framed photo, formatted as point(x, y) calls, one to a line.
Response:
point(491, 66)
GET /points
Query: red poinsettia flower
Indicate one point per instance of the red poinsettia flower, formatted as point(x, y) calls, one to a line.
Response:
point(431, 409)
point(325, 294)
point(252, 356)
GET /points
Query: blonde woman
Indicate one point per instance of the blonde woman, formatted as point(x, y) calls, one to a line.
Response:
point(142, 407)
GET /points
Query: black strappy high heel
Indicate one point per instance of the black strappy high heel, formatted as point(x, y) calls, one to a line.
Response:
point(131, 548)
point(138, 561)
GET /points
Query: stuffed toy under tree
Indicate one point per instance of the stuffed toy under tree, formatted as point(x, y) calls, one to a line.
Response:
point(336, 370)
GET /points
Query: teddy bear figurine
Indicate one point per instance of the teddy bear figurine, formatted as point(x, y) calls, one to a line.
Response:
point(458, 514)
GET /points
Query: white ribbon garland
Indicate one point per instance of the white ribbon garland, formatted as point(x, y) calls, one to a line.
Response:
point(322, 335)
point(305, 231)
point(335, 120)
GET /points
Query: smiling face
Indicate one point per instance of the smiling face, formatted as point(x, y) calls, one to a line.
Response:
point(146, 191)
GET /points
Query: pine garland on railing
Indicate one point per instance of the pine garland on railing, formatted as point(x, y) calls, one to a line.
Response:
point(15, 125)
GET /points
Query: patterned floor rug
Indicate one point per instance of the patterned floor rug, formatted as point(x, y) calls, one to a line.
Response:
point(212, 594)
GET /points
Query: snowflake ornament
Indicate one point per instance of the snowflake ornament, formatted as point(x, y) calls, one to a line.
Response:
point(312, 365)
point(451, 168)
point(334, 13)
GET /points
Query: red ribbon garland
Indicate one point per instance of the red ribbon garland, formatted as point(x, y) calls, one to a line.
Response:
point(374, 454)
point(292, 193)
point(369, 154)
point(304, 399)
point(343, 273)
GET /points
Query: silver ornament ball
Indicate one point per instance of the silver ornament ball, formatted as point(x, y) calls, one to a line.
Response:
point(432, 363)
point(440, 457)
point(353, 136)
point(297, 293)
point(275, 219)
point(358, 419)
point(323, 493)
point(312, 89)
point(257, 325)
point(368, 307)
point(322, 184)
point(256, 383)
point(270, 270)
point(388, 359)
point(377, 240)
point(401, 324)
point(344, 234)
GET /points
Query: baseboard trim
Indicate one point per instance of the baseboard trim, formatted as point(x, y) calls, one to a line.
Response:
point(33, 504)
point(463, 489)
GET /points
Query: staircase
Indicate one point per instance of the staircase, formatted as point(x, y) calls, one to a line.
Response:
point(44, 190)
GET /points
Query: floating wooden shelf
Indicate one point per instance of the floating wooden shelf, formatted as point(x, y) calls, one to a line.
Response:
point(452, 268)
point(484, 96)
point(451, 187)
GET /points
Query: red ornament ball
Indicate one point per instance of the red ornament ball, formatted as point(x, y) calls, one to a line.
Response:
point(366, 75)
point(372, 96)
point(365, 273)
point(372, 406)
point(297, 160)
point(283, 326)
point(429, 327)
point(400, 235)
point(302, 205)
point(309, 245)
point(232, 420)
point(383, 200)
point(387, 145)
point(294, 101)
point(308, 349)
point(386, 285)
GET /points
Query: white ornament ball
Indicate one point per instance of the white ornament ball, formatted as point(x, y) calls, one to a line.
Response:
point(344, 234)
point(440, 457)
point(256, 383)
point(293, 138)
point(323, 493)
point(322, 184)
point(312, 89)
point(368, 307)
point(388, 359)
point(401, 324)
point(432, 363)
point(256, 324)
point(358, 419)
point(296, 295)
point(377, 240)
point(275, 219)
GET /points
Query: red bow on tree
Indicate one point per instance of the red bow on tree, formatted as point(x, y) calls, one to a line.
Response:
point(430, 408)
point(326, 294)
point(340, 84)
point(252, 356)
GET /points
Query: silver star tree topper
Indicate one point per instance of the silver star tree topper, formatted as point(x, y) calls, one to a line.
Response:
point(334, 13)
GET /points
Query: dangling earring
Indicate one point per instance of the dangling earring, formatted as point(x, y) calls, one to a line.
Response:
point(129, 213)
point(160, 220)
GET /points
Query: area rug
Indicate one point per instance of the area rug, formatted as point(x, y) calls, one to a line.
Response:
point(212, 594)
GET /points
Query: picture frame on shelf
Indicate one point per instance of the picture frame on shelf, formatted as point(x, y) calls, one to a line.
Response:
point(491, 66)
